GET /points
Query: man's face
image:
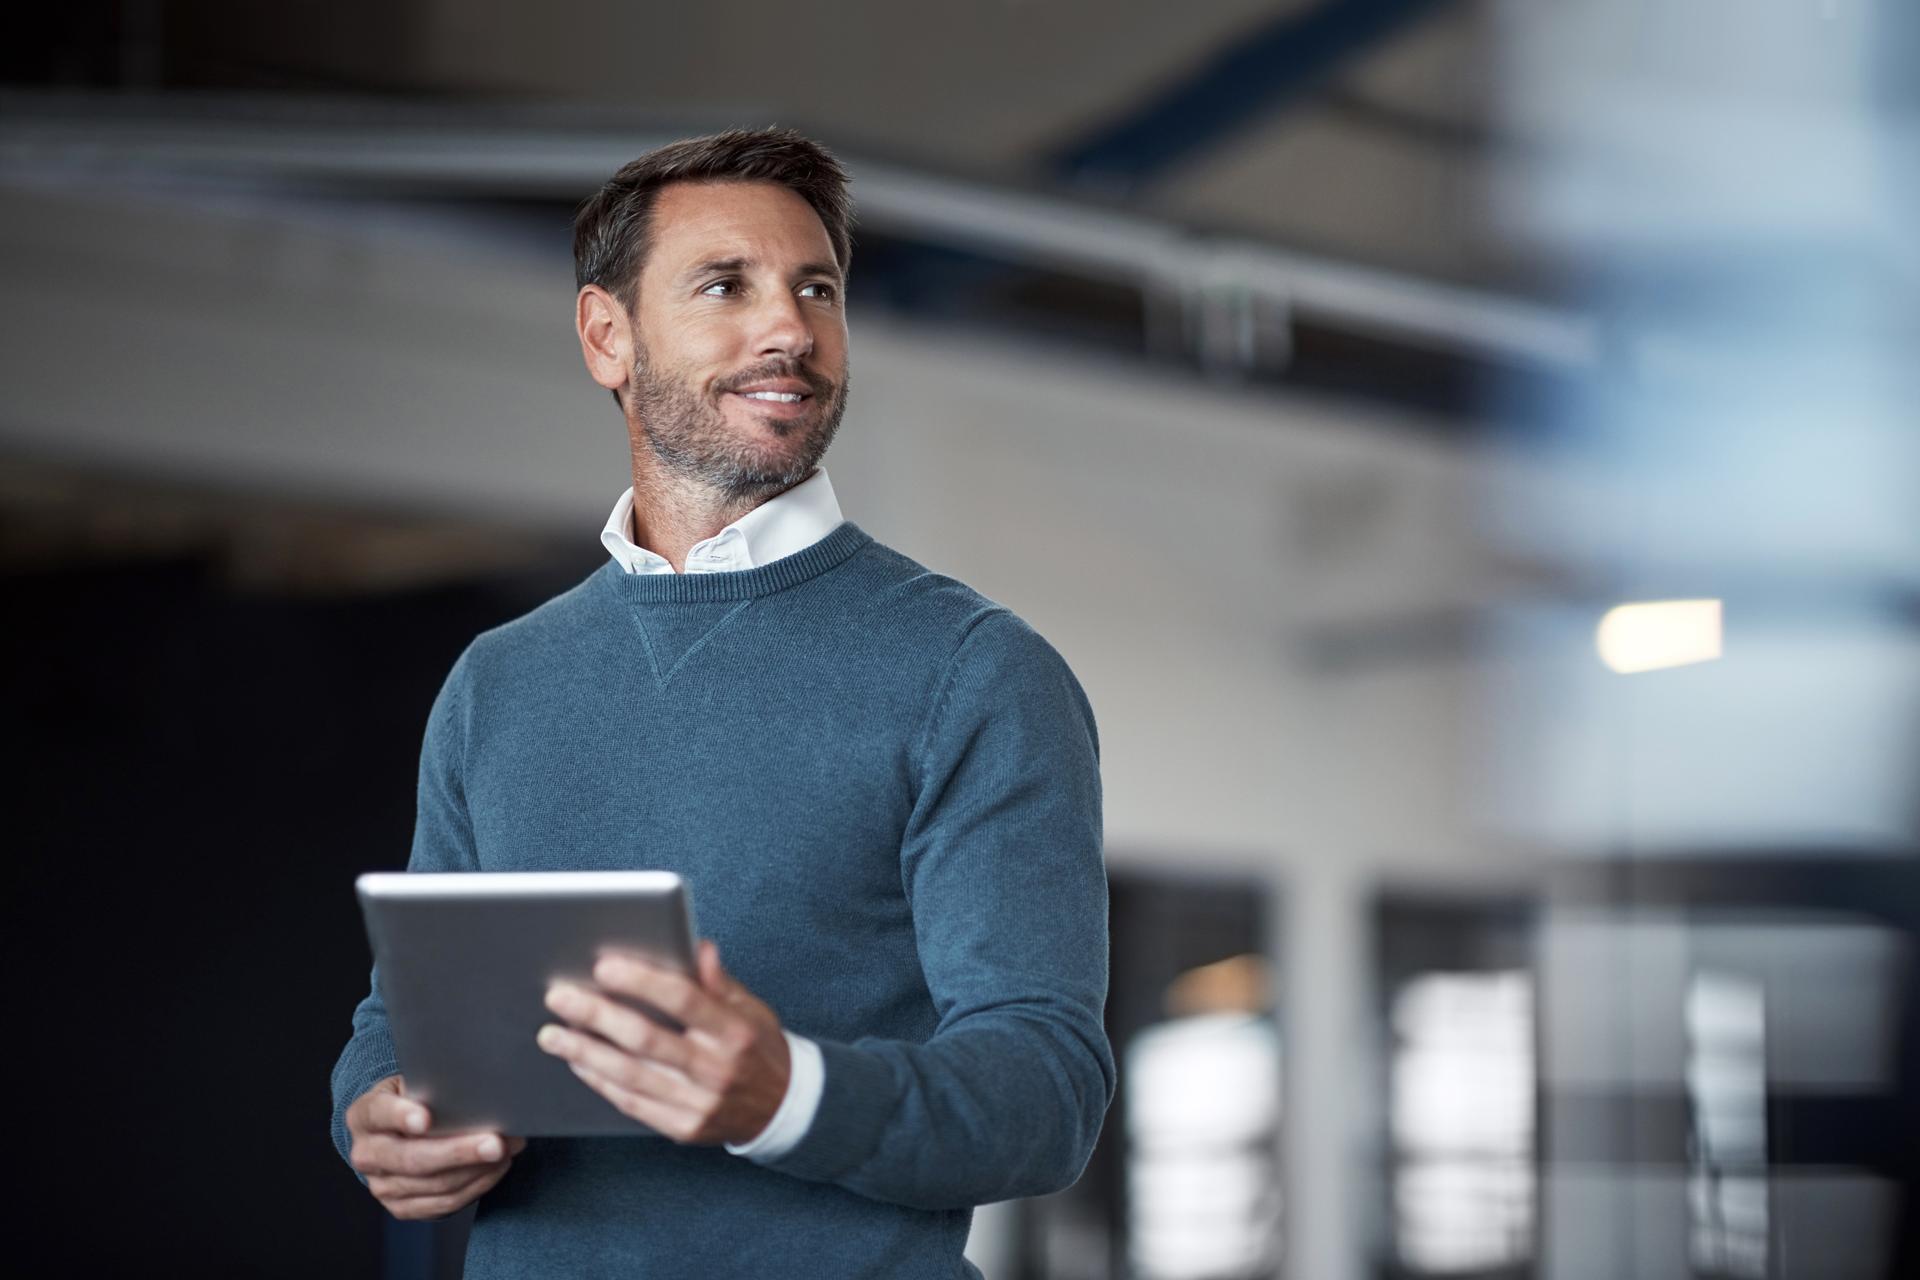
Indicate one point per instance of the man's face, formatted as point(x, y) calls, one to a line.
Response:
point(740, 361)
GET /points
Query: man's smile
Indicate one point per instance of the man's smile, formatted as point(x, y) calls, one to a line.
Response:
point(779, 397)
point(777, 406)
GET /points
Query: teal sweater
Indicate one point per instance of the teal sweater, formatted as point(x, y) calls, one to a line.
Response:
point(884, 791)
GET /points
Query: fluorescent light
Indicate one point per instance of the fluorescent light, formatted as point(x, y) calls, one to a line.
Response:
point(1659, 633)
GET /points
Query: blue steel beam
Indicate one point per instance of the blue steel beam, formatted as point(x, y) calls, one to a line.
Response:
point(1254, 75)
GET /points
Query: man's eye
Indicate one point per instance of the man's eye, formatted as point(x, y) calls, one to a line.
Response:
point(825, 290)
point(728, 285)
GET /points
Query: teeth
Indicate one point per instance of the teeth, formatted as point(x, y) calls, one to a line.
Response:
point(782, 397)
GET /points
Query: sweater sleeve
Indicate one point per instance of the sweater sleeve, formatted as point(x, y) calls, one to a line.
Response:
point(442, 841)
point(1001, 864)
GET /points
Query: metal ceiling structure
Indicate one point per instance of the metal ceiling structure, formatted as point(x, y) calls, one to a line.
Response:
point(1219, 280)
point(1245, 80)
point(1358, 131)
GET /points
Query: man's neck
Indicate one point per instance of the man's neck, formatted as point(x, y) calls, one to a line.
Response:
point(671, 514)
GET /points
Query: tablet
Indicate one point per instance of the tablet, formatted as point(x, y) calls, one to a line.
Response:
point(464, 964)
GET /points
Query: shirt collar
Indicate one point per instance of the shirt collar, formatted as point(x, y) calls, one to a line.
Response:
point(778, 527)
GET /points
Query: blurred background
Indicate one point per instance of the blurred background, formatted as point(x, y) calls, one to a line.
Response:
point(1466, 448)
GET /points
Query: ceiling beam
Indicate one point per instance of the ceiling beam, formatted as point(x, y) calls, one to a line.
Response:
point(315, 146)
point(1240, 84)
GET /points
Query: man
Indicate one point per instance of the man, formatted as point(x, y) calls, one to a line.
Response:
point(882, 787)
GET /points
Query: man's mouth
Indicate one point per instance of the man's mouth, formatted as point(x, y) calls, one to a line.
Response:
point(778, 398)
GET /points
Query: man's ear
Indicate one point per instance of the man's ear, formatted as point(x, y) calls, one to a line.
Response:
point(606, 336)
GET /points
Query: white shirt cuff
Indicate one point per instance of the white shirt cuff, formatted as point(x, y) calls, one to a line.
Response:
point(806, 1081)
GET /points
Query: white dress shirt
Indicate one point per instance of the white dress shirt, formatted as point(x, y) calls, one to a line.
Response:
point(778, 527)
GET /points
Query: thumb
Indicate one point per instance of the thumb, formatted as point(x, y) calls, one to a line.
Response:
point(712, 976)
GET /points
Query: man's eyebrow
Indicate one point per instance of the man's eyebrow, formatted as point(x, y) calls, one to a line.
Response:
point(715, 266)
point(732, 266)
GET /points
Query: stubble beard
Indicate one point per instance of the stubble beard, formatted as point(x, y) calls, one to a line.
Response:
point(691, 438)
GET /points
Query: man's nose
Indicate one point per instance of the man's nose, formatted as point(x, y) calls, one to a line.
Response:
point(782, 327)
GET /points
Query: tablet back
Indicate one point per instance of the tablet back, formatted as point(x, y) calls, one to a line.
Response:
point(464, 962)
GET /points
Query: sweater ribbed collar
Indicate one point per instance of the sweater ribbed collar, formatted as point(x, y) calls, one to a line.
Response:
point(762, 580)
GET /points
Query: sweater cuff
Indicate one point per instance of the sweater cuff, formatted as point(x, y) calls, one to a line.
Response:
point(857, 1101)
point(805, 1083)
point(361, 1067)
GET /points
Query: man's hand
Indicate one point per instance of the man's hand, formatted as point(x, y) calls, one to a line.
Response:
point(720, 1080)
point(415, 1176)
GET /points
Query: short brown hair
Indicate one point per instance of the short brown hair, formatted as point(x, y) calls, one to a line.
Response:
point(611, 231)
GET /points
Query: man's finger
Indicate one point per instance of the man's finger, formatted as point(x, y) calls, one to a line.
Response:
point(381, 1153)
point(715, 978)
point(712, 976)
point(618, 1024)
point(471, 1185)
point(661, 1116)
point(674, 994)
point(638, 1074)
point(419, 1208)
point(388, 1112)
point(406, 1186)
